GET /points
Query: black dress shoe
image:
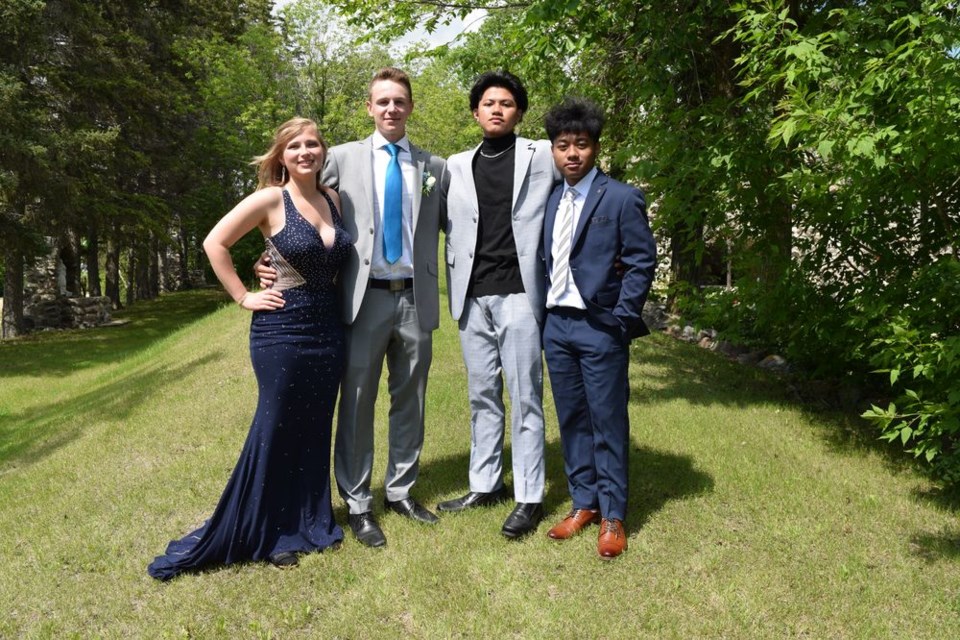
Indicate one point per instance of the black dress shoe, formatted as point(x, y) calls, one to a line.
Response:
point(283, 559)
point(366, 529)
point(410, 508)
point(523, 519)
point(474, 499)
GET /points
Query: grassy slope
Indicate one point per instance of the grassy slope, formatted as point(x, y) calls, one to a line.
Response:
point(750, 517)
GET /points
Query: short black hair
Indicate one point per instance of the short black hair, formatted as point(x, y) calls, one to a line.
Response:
point(575, 115)
point(502, 79)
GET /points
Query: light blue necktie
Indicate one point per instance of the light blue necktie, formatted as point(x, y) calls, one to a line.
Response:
point(393, 207)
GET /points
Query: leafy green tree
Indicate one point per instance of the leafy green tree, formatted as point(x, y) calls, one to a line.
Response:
point(875, 128)
point(22, 143)
point(100, 107)
point(332, 70)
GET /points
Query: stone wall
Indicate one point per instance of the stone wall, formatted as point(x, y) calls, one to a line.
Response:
point(61, 312)
point(48, 305)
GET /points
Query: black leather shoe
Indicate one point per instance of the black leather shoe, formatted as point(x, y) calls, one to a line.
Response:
point(523, 519)
point(474, 499)
point(283, 559)
point(410, 508)
point(366, 529)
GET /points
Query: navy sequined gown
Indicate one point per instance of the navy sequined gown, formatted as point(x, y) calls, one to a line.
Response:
point(278, 497)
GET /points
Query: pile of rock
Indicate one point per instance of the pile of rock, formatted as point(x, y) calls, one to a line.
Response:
point(655, 315)
point(708, 339)
point(47, 311)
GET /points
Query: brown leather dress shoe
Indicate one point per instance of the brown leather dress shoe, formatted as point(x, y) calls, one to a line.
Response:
point(613, 539)
point(574, 523)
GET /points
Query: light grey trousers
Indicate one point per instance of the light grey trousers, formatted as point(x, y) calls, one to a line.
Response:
point(386, 327)
point(500, 339)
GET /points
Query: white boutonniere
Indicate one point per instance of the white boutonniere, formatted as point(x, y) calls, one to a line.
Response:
point(428, 183)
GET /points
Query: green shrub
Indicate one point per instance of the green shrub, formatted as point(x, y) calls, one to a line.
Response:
point(920, 352)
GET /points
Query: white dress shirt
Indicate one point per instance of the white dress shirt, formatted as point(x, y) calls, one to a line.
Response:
point(570, 297)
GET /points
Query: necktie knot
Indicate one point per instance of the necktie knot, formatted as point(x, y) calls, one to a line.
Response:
point(392, 149)
point(570, 195)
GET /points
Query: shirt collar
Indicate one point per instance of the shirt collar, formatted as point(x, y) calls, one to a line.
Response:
point(582, 187)
point(379, 142)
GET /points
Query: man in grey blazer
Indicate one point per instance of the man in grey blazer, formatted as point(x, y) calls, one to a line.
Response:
point(391, 307)
point(493, 199)
point(390, 301)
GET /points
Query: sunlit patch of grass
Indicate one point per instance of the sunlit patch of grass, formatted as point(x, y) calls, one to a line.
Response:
point(746, 520)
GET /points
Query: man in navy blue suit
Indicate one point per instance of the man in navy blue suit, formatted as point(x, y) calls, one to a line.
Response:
point(600, 260)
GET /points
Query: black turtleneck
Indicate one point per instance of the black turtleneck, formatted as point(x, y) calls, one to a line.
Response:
point(496, 270)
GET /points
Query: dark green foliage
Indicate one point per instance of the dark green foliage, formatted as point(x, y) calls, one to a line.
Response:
point(919, 348)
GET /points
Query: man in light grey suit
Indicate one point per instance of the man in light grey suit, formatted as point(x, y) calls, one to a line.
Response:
point(391, 306)
point(493, 200)
point(390, 301)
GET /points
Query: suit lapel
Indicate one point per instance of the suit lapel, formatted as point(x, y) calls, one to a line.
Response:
point(524, 154)
point(597, 189)
point(549, 220)
point(366, 177)
point(420, 162)
point(470, 185)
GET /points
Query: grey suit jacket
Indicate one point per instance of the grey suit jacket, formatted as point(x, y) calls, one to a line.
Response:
point(533, 179)
point(349, 170)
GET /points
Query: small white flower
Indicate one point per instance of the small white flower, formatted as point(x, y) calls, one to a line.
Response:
point(428, 182)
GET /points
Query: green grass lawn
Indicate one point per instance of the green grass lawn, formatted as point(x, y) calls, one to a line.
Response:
point(751, 516)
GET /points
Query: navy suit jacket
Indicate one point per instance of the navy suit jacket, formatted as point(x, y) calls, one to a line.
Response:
point(613, 223)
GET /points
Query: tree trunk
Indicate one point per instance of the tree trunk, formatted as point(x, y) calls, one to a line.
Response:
point(685, 258)
point(131, 276)
point(93, 261)
point(140, 271)
point(153, 267)
point(777, 247)
point(112, 273)
point(12, 324)
point(165, 265)
point(183, 266)
point(200, 260)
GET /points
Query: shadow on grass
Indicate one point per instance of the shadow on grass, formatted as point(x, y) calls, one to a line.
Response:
point(63, 352)
point(25, 439)
point(656, 478)
point(833, 413)
point(943, 497)
point(678, 370)
point(935, 546)
point(696, 375)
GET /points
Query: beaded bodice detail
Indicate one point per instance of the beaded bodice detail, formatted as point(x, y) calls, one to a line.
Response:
point(298, 253)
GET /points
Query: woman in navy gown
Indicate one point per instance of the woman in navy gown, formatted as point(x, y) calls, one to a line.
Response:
point(277, 502)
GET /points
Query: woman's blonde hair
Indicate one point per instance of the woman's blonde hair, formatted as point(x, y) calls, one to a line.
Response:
point(270, 169)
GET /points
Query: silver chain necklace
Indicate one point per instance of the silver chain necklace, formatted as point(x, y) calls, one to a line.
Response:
point(497, 155)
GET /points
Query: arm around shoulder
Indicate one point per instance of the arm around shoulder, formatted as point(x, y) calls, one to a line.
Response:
point(331, 171)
